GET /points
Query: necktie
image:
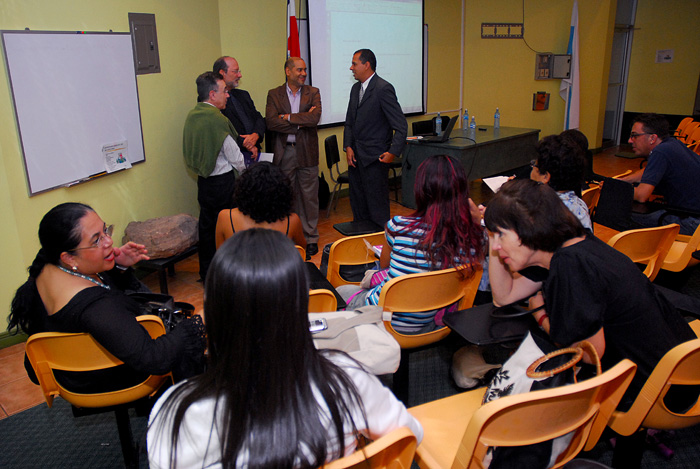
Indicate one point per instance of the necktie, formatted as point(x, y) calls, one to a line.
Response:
point(362, 93)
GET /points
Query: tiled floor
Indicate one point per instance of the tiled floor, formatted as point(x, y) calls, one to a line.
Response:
point(17, 393)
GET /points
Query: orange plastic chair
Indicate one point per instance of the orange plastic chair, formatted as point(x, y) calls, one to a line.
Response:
point(351, 250)
point(696, 147)
point(458, 430)
point(301, 251)
point(680, 365)
point(618, 176)
point(680, 255)
point(681, 126)
point(395, 451)
point(424, 292)
point(693, 137)
point(591, 196)
point(647, 246)
point(322, 301)
point(688, 131)
point(48, 351)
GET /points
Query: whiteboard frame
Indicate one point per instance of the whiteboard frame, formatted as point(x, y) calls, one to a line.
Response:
point(72, 93)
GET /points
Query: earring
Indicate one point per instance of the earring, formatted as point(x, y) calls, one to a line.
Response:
point(75, 268)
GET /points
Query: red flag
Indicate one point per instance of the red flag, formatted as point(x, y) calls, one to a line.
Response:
point(293, 49)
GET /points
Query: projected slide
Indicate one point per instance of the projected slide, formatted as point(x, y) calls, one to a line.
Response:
point(393, 30)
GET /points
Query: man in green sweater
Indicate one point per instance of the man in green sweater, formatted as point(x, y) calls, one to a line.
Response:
point(210, 151)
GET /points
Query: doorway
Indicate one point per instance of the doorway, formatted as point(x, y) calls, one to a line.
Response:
point(619, 69)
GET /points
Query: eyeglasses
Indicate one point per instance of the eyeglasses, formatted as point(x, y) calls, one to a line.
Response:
point(635, 135)
point(107, 232)
point(533, 164)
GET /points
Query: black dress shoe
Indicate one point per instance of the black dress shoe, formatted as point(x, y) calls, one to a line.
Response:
point(311, 249)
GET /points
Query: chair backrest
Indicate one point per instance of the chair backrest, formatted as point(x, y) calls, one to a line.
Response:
point(425, 292)
point(680, 255)
point(394, 450)
point(534, 417)
point(647, 246)
point(351, 251)
point(680, 365)
point(423, 127)
point(682, 125)
point(332, 152)
point(688, 130)
point(696, 147)
point(301, 251)
point(591, 196)
point(322, 301)
point(693, 137)
point(48, 351)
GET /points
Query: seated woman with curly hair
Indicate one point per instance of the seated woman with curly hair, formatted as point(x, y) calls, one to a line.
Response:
point(263, 199)
point(561, 164)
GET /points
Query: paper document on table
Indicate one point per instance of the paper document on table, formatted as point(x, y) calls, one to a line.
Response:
point(496, 182)
point(377, 250)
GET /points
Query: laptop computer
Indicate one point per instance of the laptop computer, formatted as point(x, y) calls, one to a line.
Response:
point(445, 135)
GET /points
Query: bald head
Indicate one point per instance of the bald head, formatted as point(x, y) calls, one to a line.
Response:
point(229, 70)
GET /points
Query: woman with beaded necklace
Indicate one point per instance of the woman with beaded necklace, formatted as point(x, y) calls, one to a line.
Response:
point(77, 283)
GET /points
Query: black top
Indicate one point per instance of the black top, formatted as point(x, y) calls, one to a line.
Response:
point(592, 286)
point(110, 317)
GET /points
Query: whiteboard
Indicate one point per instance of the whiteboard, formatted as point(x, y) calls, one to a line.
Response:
point(73, 94)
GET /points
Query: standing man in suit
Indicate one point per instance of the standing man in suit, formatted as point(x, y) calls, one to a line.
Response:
point(292, 112)
point(210, 151)
point(375, 134)
point(240, 109)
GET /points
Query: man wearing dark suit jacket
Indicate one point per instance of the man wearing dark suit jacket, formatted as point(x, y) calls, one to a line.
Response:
point(375, 134)
point(240, 109)
point(292, 112)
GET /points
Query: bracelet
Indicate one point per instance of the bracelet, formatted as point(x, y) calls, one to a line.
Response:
point(540, 321)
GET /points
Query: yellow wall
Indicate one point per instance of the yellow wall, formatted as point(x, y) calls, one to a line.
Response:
point(667, 88)
point(189, 41)
point(500, 72)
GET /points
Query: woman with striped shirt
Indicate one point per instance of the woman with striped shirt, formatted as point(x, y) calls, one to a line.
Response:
point(443, 232)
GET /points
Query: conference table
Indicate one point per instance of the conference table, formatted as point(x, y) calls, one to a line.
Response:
point(482, 153)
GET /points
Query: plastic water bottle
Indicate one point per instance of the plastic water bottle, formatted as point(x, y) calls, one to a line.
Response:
point(472, 124)
point(438, 124)
point(497, 119)
point(465, 120)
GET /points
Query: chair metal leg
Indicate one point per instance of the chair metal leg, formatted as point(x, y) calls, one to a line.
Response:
point(629, 451)
point(400, 379)
point(330, 202)
point(126, 438)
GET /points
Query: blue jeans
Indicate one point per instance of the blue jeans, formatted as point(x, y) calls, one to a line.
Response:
point(688, 224)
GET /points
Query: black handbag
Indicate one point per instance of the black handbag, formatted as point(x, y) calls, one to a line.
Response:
point(164, 306)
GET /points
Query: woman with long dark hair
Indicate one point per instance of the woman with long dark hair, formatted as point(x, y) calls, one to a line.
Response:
point(443, 232)
point(268, 398)
point(77, 283)
point(591, 291)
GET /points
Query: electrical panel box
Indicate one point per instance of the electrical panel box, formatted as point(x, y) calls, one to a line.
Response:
point(552, 66)
point(144, 39)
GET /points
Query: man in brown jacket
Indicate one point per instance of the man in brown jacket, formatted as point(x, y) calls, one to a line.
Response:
point(292, 112)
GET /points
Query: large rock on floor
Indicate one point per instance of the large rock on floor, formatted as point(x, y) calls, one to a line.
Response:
point(164, 236)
